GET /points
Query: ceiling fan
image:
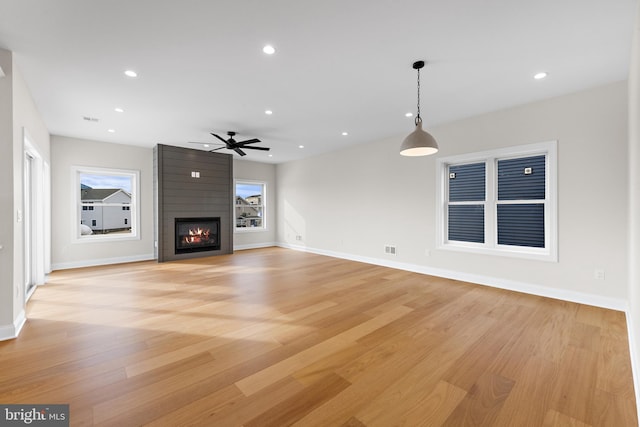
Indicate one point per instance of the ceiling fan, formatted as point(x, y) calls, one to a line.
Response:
point(237, 146)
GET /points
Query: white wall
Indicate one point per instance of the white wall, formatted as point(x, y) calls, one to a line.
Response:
point(353, 202)
point(254, 171)
point(18, 113)
point(634, 204)
point(6, 197)
point(26, 118)
point(67, 152)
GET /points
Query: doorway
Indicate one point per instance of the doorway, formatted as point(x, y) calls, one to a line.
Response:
point(34, 214)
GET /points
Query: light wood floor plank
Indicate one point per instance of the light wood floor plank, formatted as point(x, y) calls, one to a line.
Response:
point(275, 337)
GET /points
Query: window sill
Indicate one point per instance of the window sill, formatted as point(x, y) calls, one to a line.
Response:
point(104, 238)
point(249, 230)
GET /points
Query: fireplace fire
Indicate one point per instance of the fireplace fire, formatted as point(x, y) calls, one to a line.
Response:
point(197, 234)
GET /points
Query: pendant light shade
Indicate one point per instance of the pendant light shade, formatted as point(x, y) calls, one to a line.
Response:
point(419, 142)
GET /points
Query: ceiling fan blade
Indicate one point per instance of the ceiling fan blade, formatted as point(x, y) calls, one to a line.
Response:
point(219, 137)
point(216, 149)
point(258, 148)
point(239, 151)
point(248, 141)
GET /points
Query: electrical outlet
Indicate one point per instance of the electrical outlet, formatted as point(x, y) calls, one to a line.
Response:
point(298, 237)
point(390, 250)
point(598, 274)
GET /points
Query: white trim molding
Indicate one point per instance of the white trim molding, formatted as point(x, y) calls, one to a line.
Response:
point(102, 261)
point(9, 332)
point(494, 282)
point(254, 246)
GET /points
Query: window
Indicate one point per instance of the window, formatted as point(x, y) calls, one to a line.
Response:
point(105, 203)
point(500, 202)
point(250, 206)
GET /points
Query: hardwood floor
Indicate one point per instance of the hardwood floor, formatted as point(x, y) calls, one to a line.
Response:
point(274, 337)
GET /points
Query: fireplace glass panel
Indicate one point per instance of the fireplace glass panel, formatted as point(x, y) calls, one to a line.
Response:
point(197, 234)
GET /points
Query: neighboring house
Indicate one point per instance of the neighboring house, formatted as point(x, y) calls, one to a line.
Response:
point(106, 210)
point(248, 211)
point(255, 199)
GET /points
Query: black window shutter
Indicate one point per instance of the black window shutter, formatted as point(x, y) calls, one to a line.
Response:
point(522, 179)
point(466, 223)
point(467, 183)
point(521, 225)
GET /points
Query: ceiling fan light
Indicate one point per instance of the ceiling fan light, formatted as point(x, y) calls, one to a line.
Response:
point(419, 143)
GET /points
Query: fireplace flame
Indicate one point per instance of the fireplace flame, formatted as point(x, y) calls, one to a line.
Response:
point(197, 235)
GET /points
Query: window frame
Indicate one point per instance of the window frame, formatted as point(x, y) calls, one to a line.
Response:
point(490, 245)
point(263, 206)
point(76, 201)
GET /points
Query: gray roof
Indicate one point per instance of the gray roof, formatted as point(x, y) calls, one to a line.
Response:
point(98, 193)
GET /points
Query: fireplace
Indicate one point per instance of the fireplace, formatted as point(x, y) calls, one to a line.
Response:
point(197, 234)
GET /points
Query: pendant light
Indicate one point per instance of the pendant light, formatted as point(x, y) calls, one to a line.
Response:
point(419, 142)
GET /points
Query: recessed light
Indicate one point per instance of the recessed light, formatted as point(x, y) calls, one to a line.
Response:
point(111, 130)
point(269, 50)
point(206, 145)
point(409, 115)
point(268, 112)
point(130, 73)
point(270, 155)
point(345, 133)
point(118, 110)
point(540, 75)
point(300, 146)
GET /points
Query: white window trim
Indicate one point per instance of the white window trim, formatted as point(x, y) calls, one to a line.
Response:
point(264, 207)
point(76, 203)
point(550, 253)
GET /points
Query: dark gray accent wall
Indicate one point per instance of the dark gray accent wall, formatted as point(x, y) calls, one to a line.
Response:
point(179, 195)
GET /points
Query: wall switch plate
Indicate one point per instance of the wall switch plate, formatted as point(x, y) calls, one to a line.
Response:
point(598, 274)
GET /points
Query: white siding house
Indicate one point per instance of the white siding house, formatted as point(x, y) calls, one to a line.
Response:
point(106, 210)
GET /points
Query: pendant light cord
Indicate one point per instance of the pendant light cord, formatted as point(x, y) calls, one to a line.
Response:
point(418, 118)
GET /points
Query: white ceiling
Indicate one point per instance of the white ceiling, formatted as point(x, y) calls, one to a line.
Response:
point(340, 65)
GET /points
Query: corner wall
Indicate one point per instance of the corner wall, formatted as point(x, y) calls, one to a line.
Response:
point(353, 202)
point(7, 256)
point(633, 320)
point(18, 114)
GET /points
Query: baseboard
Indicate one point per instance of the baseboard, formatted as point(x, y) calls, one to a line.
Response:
point(495, 282)
point(633, 354)
point(101, 261)
point(254, 246)
point(9, 332)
